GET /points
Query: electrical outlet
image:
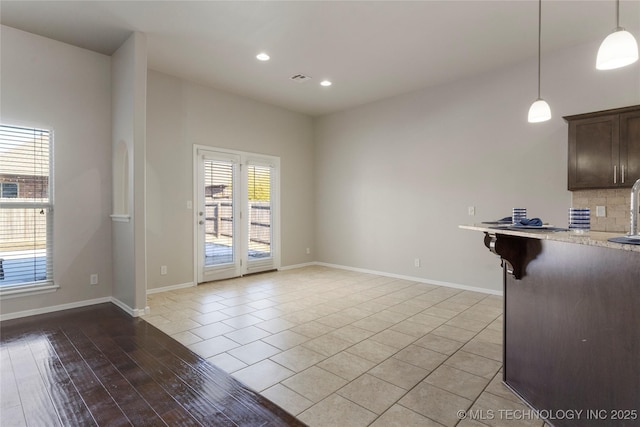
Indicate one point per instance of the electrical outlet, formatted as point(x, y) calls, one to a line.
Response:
point(308, 251)
point(471, 210)
point(189, 204)
point(163, 270)
point(416, 262)
point(601, 211)
point(93, 279)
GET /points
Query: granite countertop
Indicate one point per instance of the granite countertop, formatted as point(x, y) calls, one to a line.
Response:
point(592, 238)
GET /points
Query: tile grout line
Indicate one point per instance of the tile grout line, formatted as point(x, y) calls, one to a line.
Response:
point(391, 356)
point(387, 292)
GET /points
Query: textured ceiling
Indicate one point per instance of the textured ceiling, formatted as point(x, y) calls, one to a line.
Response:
point(370, 49)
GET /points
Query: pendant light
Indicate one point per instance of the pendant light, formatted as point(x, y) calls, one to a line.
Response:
point(539, 110)
point(618, 49)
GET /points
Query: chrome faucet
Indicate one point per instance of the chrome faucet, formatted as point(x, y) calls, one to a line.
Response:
point(635, 206)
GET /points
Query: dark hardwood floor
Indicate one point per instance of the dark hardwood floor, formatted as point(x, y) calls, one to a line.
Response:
point(98, 366)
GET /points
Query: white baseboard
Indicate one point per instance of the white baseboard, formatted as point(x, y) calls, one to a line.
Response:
point(51, 309)
point(293, 267)
point(133, 312)
point(44, 310)
point(170, 288)
point(139, 311)
point(413, 279)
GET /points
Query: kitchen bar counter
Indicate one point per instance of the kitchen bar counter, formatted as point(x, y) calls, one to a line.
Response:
point(592, 238)
point(571, 324)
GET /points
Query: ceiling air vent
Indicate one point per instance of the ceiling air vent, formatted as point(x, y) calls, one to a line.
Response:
point(300, 78)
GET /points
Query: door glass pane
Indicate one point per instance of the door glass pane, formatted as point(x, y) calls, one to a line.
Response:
point(218, 188)
point(259, 190)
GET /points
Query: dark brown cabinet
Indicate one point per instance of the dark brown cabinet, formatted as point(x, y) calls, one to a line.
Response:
point(604, 148)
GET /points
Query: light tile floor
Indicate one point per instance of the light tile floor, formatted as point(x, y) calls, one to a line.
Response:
point(342, 348)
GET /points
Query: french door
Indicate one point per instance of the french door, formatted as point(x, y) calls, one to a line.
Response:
point(237, 213)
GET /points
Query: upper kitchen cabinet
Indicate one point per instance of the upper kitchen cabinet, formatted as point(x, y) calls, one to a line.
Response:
point(630, 145)
point(604, 148)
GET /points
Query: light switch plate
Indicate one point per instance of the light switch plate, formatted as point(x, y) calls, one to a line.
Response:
point(601, 211)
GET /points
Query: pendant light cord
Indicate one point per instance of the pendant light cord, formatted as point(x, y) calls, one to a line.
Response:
point(618, 15)
point(539, 42)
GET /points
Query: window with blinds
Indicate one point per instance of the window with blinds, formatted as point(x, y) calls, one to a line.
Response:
point(26, 209)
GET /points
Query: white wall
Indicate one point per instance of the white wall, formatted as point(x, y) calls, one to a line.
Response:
point(54, 85)
point(373, 187)
point(181, 114)
point(129, 81)
point(394, 178)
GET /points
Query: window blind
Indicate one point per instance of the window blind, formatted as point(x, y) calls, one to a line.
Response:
point(26, 208)
point(219, 222)
point(259, 191)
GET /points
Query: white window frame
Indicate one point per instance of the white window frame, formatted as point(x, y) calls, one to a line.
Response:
point(48, 284)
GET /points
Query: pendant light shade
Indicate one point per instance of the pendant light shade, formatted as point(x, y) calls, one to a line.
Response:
point(539, 110)
point(618, 49)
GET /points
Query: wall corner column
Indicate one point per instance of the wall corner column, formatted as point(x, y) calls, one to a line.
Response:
point(128, 104)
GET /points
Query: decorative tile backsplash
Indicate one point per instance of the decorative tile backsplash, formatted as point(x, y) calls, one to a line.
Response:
point(617, 202)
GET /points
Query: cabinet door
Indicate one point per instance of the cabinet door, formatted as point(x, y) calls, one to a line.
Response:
point(630, 147)
point(594, 153)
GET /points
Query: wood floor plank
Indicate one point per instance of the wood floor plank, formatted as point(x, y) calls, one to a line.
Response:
point(70, 407)
point(134, 406)
point(9, 397)
point(98, 366)
point(104, 409)
point(14, 415)
point(36, 402)
point(205, 411)
point(165, 405)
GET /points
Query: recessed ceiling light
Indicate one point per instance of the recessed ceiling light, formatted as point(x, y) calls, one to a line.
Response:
point(325, 83)
point(263, 56)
